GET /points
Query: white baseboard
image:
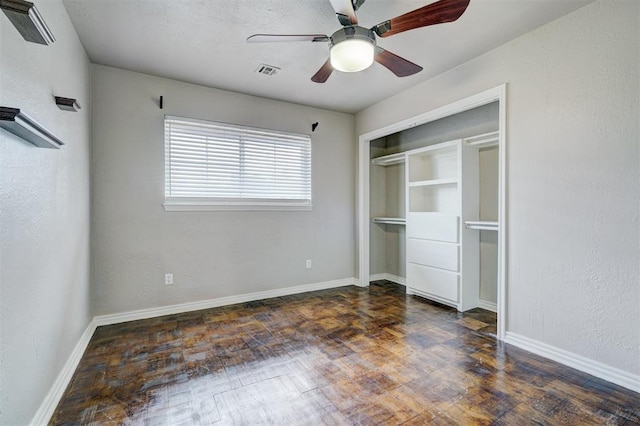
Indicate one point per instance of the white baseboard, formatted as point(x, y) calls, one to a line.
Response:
point(48, 406)
point(389, 277)
point(50, 402)
point(595, 368)
point(489, 306)
point(214, 303)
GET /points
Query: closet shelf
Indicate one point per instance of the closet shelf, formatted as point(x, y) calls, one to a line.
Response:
point(390, 220)
point(387, 160)
point(434, 182)
point(20, 124)
point(481, 225)
point(484, 140)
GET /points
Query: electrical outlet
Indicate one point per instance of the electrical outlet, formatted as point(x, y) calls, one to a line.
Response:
point(168, 279)
point(308, 264)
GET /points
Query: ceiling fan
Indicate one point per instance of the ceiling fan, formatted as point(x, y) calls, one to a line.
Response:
point(353, 48)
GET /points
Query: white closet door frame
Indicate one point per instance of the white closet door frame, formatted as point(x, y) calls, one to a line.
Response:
point(499, 94)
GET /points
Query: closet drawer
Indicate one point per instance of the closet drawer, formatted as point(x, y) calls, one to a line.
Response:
point(433, 253)
point(432, 227)
point(443, 284)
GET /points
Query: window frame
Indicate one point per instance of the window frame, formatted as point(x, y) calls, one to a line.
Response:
point(178, 203)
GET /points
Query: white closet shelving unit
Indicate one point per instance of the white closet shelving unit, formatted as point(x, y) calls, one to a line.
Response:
point(442, 194)
point(442, 218)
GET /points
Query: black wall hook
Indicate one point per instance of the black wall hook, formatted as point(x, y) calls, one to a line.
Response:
point(313, 126)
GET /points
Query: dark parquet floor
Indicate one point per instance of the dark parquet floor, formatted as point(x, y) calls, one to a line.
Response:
point(343, 356)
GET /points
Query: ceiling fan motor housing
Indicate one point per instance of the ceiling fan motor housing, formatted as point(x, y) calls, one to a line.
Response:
point(352, 48)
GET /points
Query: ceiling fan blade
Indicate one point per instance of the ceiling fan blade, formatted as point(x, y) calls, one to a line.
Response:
point(394, 63)
point(345, 12)
point(435, 13)
point(269, 38)
point(323, 73)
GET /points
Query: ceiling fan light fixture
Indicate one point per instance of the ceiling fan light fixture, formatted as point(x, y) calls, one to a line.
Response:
point(352, 49)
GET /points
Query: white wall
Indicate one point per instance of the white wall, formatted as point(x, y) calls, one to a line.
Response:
point(44, 214)
point(211, 254)
point(378, 207)
point(488, 186)
point(573, 193)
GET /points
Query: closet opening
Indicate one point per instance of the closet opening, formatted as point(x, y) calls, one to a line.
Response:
point(432, 205)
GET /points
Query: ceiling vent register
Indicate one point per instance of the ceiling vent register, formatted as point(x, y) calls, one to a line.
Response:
point(267, 69)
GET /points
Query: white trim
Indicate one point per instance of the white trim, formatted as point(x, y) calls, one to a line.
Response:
point(377, 277)
point(51, 400)
point(430, 296)
point(499, 94)
point(389, 277)
point(589, 366)
point(489, 306)
point(465, 104)
point(364, 153)
point(502, 212)
point(185, 206)
point(214, 303)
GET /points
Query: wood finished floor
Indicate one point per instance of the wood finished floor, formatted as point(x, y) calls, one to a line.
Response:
point(342, 356)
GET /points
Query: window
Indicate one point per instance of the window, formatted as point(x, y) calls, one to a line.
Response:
point(216, 166)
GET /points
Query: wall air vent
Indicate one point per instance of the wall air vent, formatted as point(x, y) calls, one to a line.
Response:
point(267, 69)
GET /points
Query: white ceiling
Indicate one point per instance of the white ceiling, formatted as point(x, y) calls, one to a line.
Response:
point(203, 42)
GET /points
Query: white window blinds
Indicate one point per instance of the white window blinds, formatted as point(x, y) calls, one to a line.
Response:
point(209, 163)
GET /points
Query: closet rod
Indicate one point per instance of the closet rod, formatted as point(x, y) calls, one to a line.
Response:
point(484, 140)
point(388, 160)
point(481, 225)
point(390, 220)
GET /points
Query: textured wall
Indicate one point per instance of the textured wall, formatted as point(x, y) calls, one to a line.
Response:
point(44, 215)
point(217, 253)
point(572, 165)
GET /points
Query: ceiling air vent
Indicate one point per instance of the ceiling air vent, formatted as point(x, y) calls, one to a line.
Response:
point(267, 69)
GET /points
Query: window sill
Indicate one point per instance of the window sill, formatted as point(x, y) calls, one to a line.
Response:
point(178, 206)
